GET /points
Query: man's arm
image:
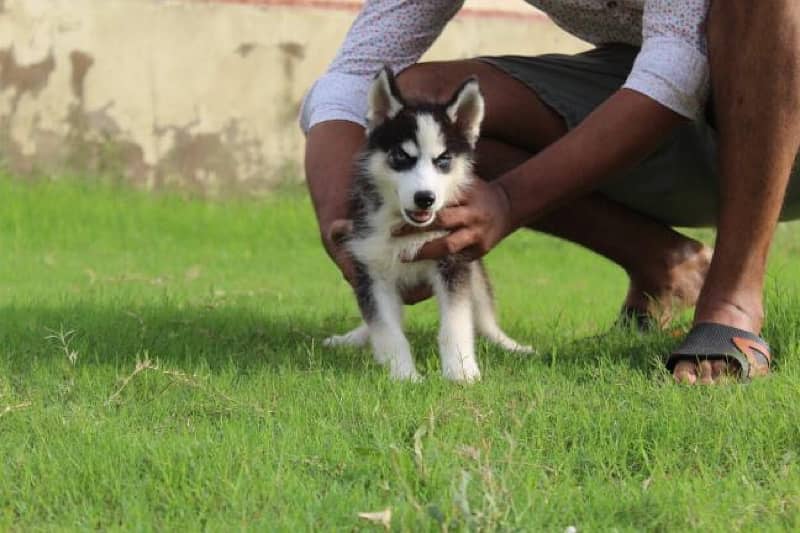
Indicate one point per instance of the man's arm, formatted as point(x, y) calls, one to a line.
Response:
point(616, 136)
point(330, 150)
point(668, 85)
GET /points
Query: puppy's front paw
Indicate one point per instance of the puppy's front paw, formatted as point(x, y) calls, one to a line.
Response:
point(464, 373)
point(404, 373)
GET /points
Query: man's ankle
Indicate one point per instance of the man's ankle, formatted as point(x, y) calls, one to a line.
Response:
point(732, 312)
point(676, 272)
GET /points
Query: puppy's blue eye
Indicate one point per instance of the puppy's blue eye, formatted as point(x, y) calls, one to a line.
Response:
point(444, 162)
point(398, 158)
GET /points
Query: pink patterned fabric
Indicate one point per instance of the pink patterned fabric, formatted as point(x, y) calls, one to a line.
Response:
point(671, 68)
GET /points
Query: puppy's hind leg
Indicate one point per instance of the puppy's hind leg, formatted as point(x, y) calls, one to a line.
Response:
point(485, 314)
point(356, 338)
point(457, 332)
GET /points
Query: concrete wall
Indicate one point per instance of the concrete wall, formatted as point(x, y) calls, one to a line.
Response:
point(202, 95)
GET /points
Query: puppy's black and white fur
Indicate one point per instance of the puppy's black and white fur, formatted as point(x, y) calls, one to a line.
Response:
point(418, 158)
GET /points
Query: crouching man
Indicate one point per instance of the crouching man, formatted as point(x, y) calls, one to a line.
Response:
point(686, 113)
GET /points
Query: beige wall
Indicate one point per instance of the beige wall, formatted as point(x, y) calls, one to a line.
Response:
point(200, 94)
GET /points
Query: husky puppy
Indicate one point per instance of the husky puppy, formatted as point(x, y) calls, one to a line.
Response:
point(418, 159)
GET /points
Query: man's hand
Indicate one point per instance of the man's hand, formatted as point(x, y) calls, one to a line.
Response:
point(476, 223)
point(330, 150)
point(334, 238)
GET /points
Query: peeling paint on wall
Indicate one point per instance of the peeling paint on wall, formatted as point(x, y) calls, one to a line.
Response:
point(81, 63)
point(192, 94)
point(244, 49)
point(24, 79)
point(292, 54)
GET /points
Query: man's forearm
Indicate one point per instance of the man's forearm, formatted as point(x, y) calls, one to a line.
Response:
point(330, 149)
point(616, 136)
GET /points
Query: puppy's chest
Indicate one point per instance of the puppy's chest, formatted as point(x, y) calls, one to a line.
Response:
point(384, 256)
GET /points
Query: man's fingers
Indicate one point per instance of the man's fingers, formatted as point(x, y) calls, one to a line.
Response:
point(345, 264)
point(339, 230)
point(472, 253)
point(432, 250)
point(447, 245)
point(408, 229)
point(417, 294)
point(334, 240)
point(456, 217)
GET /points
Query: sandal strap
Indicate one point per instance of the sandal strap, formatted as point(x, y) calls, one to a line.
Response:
point(714, 341)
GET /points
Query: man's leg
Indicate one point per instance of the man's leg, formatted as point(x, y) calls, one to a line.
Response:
point(664, 267)
point(755, 69)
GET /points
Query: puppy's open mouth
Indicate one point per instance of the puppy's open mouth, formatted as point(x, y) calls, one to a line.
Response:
point(419, 217)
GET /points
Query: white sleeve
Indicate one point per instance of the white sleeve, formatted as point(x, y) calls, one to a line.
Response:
point(385, 32)
point(672, 66)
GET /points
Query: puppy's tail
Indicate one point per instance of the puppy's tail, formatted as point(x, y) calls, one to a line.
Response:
point(485, 315)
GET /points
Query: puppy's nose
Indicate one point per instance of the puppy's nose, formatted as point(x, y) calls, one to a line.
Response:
point(424, 199)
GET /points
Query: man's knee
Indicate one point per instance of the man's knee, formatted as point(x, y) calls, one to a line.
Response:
point(434, 81)
point(754, 55)
point(767, 50)
point(737, 20)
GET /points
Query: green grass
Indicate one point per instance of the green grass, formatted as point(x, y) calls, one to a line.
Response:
point(237, 419)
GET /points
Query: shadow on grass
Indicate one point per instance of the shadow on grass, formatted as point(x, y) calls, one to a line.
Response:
point(185, 336)
point(249, 339)
point(620, 347)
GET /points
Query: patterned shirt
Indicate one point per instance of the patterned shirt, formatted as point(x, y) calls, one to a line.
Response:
point(671, 68)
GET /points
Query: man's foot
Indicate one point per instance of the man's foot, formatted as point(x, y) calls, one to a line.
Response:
point(747, 315)
point(668, 284)
point(711, 351)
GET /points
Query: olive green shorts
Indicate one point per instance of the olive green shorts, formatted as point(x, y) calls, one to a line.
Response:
point(678, 183)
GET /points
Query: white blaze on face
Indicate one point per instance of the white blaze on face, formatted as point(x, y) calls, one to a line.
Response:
point(424, 176)
point(429, 136)
point(410, 147)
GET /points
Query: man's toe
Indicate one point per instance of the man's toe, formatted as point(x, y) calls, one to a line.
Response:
point(706, 372)
point(685, 372)
point(720, 369)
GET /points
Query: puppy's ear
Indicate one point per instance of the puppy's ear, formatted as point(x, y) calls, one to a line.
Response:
point(384, 100)
point(465, 109)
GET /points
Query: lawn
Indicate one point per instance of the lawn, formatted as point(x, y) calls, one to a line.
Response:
point(161, 369)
